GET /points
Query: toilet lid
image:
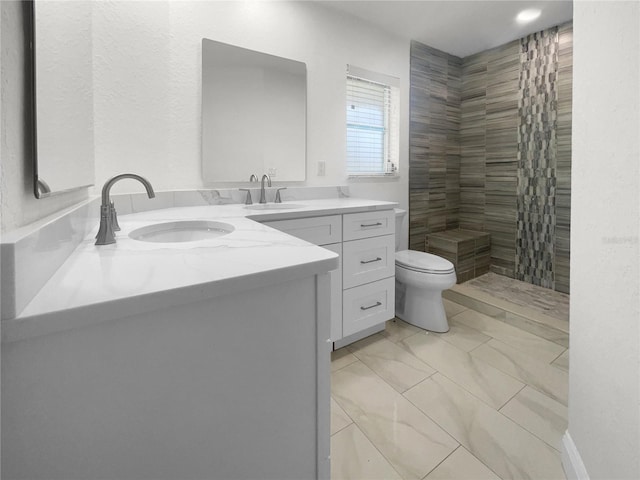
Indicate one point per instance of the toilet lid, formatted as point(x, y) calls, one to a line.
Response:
point(423, 262)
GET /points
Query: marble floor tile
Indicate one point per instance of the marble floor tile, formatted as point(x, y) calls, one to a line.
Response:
point(481, 379)
point(395, 365)
point(339, 418)
point(396, 330)
point(341, 358)
point(408, 439)
point(504, 446)
point(545, 378)
point(463, 337)
point(524, 341)
point(539, 414)
point(353, 457)
point(452, 308)
point(517, 364)
point(540, 329)
point(562, 362)
point(461, 465)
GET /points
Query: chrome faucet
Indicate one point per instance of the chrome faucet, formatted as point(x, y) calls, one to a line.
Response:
point(108, 216)
point(263, 198)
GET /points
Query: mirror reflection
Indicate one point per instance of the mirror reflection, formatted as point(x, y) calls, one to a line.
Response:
point(253, 115)
point(63, 91)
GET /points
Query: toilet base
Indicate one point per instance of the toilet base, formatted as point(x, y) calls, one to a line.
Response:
point(421, 308)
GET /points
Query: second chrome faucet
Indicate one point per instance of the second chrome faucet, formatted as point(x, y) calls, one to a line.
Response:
point(263, 197)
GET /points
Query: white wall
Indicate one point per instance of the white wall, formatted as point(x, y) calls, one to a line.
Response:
point(147, 70)
point(148, 83)
point(604, 402)
point(18, 205)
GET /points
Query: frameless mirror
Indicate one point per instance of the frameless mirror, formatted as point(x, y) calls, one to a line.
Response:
point(253, 115)
point(63, 96)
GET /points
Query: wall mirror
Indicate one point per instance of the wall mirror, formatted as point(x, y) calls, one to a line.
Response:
point(253, 115)
point(62, 95)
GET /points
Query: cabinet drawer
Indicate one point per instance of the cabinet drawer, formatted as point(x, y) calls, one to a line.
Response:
point(368, 260)
point(317, 230)
point(368, 224)
point(367, 305)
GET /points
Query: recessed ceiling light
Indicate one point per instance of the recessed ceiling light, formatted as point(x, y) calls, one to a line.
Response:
point(529, 15)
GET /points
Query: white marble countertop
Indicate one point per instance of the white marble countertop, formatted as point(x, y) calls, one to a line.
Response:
point(129, 277)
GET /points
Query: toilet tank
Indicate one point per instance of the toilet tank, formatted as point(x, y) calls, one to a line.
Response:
point(399, 219)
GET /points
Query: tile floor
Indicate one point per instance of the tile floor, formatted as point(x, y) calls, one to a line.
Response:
point(486, 400)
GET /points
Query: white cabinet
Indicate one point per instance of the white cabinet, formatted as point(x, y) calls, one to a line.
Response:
point(186, 392)
point(317, 230)
point(325, 231)
point(368, 260)
point(363, 286)
point(368, 224)
point(336, 293)
point(368, 273)
point(367, 305)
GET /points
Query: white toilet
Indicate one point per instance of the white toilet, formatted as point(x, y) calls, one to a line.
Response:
point(420, 279)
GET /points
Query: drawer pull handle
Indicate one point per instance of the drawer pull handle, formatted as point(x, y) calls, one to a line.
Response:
point(377, 304)
point(377, 224)
point(370, 261)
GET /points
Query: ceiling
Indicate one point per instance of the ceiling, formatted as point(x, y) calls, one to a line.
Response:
point(457, 27)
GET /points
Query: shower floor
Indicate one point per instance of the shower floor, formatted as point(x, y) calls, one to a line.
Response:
point(538, 310)
point(543, 300)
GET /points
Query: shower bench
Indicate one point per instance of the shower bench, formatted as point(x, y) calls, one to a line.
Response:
point(468, 250)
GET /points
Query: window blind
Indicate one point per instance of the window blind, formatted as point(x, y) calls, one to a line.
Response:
point(372, 123)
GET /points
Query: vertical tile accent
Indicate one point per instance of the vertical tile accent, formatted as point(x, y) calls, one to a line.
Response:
point(434, 143)
point(537, 158)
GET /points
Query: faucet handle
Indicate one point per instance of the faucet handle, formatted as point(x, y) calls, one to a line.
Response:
point(278, 199)
point(106, 235)
point(248, 201)
point(114, 218)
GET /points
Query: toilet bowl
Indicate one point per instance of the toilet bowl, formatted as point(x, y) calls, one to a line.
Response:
point(420, 279)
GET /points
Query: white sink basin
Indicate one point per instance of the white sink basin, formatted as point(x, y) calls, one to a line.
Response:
point(181, 231)
point(273, 206)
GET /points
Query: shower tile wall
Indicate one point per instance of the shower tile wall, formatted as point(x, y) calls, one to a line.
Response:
point(434, 143)
point(487, 195)
point(563, 157)
point(488, 165)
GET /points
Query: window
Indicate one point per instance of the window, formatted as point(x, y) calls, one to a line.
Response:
point(372, 123)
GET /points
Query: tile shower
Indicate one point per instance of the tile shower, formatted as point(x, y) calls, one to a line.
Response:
point(490, 150)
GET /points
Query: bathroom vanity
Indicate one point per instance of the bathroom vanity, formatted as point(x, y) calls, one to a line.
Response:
point(206, 359)
point(363, 285)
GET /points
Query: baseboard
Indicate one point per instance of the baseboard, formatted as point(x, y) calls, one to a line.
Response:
point(343, 342)
point(571, 460)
